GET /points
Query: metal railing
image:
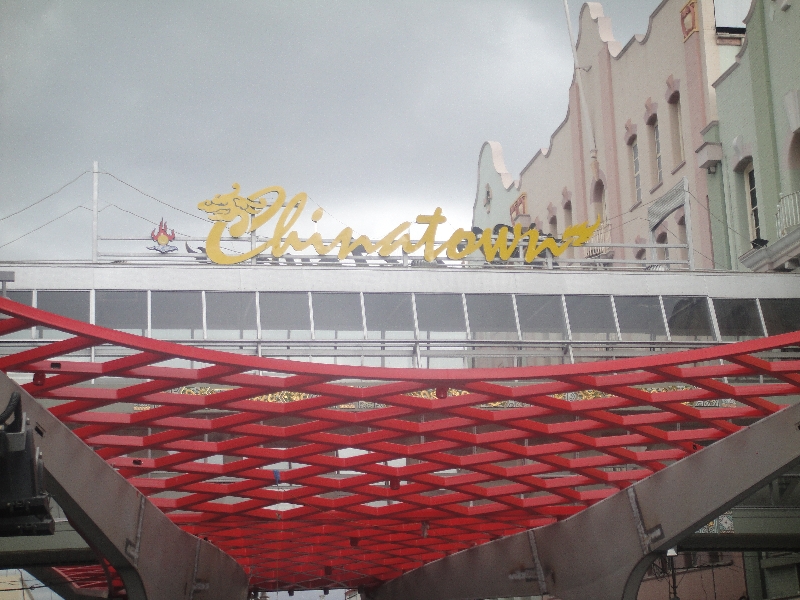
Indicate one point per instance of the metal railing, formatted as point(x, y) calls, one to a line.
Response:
point(190, 250)
point(788, 216)
point(599, 241)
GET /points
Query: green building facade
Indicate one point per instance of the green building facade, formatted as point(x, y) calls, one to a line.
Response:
point(752, 152)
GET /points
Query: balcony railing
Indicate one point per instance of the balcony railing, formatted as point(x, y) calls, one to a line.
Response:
point(788, 215)
point(599, 241)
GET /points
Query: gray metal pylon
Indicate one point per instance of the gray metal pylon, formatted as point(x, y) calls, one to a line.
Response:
point(603, 551)
point(156, 559)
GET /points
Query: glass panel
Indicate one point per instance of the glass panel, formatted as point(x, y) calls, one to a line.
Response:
point(285, 315)
point(441, 316)
point(688, 318)
point(537, 357)
point(444, 362)
point(640, 318)
point(491, 317)
point(389, 316)
point(74, 305)
point(23, 297)
point(231, 315)
point(781, 315)
point(337, 316)
point(541, 317)
point(737, 319)
point(177, 315)
point(591, 318)
point(122, 310)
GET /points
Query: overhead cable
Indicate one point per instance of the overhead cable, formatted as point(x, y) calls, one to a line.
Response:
point(45, 198)
point(45, 225)
point(133, 187)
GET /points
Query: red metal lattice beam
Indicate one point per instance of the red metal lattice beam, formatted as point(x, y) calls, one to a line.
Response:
point(339, 476)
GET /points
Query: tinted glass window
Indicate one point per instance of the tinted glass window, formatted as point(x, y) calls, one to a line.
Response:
point(441, 313)
point(285, 315)
point(541, 317)
point(781, 315)
point(737, 318)
point(22, 296)
point(491, 315)
point(591, 318)
point(688, 318)
point(123, 310)
point(231, 315)
point(177, 315)
point(640, 318)
point(74, 305)
point(337, 315)
point(389, 315)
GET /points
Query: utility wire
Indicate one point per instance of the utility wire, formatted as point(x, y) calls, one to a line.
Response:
point(45, 198)
point(342, 223)
point(45, 225)
point(708, 210)
point(694, 249)
point(112, 205)
point(133, 187)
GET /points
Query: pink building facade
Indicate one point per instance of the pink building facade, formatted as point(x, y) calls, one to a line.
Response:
point(628, 157)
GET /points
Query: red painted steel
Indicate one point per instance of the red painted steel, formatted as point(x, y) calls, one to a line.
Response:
point(339, 476)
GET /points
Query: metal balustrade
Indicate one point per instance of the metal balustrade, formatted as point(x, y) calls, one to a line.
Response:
point(192, 251)
point(599, 241)
point(787, 217)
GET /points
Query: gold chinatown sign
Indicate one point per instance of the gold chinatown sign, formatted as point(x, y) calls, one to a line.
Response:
point(241, 215)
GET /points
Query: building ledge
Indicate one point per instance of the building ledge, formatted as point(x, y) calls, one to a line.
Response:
point(783, 255)
point(656, 186)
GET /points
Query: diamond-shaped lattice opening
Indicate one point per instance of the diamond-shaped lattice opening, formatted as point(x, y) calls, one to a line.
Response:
point(473, 469)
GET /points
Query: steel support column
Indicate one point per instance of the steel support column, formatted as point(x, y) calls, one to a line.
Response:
point(602, 552)
point(155, 558)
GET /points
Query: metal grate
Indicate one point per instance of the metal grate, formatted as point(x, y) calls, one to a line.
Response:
point(323, 476)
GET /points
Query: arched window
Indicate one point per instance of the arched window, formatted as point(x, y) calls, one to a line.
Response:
point(566, 205)
point(567, 215)
point(676, 130)
point(662, 253)
point(682, 237)
point(637, 174)
point(553, 221)
point(655, 146)
point(598, 201)
point(751, 198)
point(794, 163)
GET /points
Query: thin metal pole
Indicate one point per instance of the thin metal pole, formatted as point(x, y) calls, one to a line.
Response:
point(687, 223)
point(674, 586)
point(95, 174)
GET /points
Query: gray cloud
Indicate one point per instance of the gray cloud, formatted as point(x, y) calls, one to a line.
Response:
point(377, 110)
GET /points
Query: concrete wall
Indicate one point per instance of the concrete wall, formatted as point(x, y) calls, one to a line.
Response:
point(758, 123)
point(496, 188)
point(663, 76)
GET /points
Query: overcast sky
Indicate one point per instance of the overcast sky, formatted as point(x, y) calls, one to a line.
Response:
point(376, 109)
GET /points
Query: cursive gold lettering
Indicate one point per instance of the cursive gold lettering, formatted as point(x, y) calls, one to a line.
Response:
point(245, 215)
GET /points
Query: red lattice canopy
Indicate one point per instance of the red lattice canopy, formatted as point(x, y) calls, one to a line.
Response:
point(323, 476)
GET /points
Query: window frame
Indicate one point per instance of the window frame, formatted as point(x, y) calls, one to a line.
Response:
point(637, 173)
point(751, 197)
point(658, 166)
